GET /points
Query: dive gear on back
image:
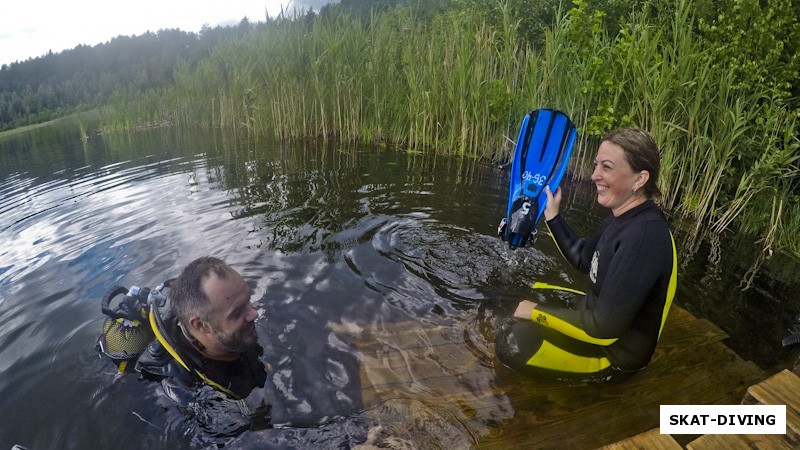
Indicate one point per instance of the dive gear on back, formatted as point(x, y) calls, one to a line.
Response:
point(136, 324)
point(141, 329)
point(213, 396)
point(126, 331)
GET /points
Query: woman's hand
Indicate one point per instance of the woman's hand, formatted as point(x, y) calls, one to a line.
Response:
point(525, 309)
point(553, 203)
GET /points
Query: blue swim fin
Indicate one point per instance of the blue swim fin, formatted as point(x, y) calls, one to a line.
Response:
point(540, 159)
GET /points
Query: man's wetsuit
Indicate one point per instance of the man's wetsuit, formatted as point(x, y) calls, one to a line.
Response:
point(632, 265)
point(236, 379)
point(220, 389)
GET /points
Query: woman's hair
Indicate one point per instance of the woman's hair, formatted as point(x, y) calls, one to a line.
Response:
point(186, 294)
point(641, 152)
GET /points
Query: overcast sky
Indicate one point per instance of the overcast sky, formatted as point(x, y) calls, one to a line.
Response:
point(31, 28)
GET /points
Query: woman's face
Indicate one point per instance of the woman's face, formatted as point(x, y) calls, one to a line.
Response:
point(618, 186)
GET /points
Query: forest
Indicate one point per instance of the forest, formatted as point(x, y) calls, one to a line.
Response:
point(85, 77)
point(57, 84)
point(716, 82)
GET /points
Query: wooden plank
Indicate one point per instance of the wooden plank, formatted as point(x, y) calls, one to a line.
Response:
point(678, 316)
point(782, 388)
point(691, 366)
point(436, 375)
point(426, 371)
point(613, 412)
point(649, 440)
point(743, 442)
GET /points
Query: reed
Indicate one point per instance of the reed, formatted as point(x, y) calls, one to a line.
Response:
point(460, 86)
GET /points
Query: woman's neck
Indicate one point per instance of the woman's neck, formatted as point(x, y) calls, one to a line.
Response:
point(633, 202)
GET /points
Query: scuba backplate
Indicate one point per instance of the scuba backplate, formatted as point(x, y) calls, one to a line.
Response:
point(126, 329)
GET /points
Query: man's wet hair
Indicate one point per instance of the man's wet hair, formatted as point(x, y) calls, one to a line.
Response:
point(187, 298)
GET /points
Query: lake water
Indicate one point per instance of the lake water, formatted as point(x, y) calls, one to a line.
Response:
point(332, 237)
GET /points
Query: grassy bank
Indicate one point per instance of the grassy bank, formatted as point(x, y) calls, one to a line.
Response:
point(77, 117)
point(460, 85)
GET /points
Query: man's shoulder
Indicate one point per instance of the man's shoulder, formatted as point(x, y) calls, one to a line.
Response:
point(157, 363)
point(158, 360)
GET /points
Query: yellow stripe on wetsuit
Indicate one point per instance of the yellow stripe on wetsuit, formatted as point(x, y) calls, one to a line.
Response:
point(568, 329)
point(562, 326)
point(552, 357)
point(540, 285)
point(673, 283)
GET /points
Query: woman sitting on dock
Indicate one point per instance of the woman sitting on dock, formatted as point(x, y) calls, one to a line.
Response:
point(612, 330)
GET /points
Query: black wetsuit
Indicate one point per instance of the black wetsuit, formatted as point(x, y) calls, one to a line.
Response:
point(632, 266)
point(216, 395)
point(238, 378)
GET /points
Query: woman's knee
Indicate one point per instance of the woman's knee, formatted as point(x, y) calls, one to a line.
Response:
point(516, 344)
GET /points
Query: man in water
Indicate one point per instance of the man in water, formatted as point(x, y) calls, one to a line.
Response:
point(206, 354)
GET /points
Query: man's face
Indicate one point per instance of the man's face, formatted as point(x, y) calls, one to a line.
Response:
point(233, 318)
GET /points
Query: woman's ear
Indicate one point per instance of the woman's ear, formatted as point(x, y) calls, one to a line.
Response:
point(641, 179)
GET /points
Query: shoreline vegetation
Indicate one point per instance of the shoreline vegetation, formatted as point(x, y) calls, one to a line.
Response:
point(456, 76)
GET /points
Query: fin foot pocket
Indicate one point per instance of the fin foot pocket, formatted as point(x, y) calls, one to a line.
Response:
point(522, 223)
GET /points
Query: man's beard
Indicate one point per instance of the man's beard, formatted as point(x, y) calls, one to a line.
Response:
point(233, 344)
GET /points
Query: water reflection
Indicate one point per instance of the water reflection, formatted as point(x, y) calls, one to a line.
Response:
point(356, 253)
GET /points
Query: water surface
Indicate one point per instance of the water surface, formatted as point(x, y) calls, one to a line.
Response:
point(332, 237)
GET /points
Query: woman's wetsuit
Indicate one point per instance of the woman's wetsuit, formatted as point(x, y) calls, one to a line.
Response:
point(614, 328)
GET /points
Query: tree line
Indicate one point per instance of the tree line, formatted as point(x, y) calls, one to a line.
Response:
point(57, 84)
point(760, 38)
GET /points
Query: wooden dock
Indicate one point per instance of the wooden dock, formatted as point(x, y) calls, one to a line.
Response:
point(782, 388)
point(439, 386)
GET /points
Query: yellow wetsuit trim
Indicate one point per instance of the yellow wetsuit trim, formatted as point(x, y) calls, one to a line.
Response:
point(563, 326)
point(673, 284)
point(553, 236)
point(552, 357)
point(568, 329)
point(180, 361)
point(540, 285)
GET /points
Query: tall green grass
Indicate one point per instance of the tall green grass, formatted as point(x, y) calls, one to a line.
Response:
point(458, 86)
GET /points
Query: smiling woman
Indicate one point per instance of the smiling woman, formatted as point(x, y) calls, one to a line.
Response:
point(626, 178)
point(610, 332)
